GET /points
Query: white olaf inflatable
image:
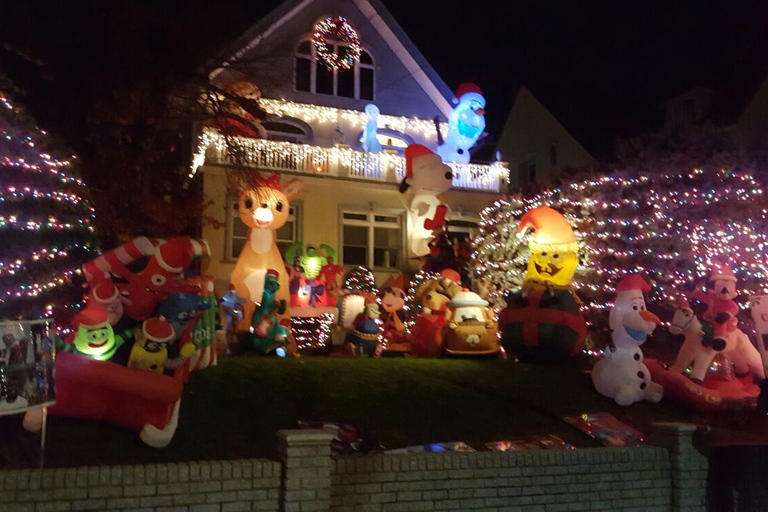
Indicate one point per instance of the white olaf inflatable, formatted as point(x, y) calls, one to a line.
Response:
point(621, 374)
point(465, 124)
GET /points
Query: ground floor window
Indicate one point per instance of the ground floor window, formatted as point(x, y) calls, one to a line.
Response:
point(237, 232)
point(372, 239)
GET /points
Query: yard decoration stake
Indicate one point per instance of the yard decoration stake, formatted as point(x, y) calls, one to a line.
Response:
point(263, 206)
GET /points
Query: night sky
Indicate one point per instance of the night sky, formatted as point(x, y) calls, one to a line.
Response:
point(600, 67)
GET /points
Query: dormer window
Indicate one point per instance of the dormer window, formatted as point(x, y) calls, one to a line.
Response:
point(356, 82)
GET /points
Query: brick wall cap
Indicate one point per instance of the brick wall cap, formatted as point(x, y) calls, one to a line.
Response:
point(303, 436)
point(669, 426)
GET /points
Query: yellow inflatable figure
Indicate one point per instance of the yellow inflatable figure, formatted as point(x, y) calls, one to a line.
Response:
point(150, 351)
point(554, 249)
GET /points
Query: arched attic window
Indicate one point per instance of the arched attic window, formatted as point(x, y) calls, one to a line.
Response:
point(287, 129)
point(357, 82)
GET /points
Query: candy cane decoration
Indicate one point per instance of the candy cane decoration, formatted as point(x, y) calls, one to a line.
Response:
point(120, 257)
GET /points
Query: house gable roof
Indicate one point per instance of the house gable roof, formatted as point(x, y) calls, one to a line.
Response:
point(525, 98)
point(384, 23)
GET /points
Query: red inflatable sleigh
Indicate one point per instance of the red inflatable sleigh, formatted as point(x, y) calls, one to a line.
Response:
point(135, 398)
point(713, 395)
point(132, 398)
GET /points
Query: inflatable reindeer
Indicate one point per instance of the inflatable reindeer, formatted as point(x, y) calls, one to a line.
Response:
point(263, 206)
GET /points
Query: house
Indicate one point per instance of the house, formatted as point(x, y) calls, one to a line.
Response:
point(315, 123)
point(536, 145)
point(740, 106)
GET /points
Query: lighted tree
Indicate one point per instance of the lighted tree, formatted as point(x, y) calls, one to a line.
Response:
point(361, 279)
point(669, 212)
point(46, 222)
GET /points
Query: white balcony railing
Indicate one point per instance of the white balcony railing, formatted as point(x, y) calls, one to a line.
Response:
point(337, 161)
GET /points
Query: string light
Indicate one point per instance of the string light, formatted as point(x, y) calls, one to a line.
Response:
point(670, 227)
point(279, 155)
point(412, 305)
point(59, 220)
point(312, 332)
point(361, 280)
point(355, 119)
point(15, 265)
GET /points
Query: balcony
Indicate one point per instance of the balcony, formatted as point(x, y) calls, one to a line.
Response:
point(339, 161)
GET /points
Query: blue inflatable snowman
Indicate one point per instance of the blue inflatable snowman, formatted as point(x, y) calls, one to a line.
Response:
point(465, 124)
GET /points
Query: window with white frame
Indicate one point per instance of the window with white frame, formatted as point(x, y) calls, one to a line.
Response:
point(356, 82)
point(372, 239)
point(238, 232)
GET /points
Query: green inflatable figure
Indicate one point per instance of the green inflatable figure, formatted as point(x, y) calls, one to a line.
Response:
point(266, 333)
point(94, 337)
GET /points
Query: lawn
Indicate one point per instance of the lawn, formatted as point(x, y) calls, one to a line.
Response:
point(233, 410)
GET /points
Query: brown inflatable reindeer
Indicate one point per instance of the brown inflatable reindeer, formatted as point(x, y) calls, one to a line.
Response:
point(263, 207)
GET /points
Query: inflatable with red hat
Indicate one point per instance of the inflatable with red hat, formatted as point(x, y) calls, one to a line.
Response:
point(426, 178)
point(465, 124)
point(134, 388)
point(267, 335)
point(94, 336)
point(150, 350)
point(721, 310)
point(233, 119)
point(426, 337)
point(105, 293)
point(621, 373)
point(717, 365)
point(543, 322)
point(363, 339)
point(391, 305)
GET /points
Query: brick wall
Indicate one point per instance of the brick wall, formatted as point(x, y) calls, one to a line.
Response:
point(251, 484)
point(591, 479)
point(668, 477)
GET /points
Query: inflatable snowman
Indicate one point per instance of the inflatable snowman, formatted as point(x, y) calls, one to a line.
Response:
point(621, 374)
point(426, 179)
point(370, 141)
point(465, 124)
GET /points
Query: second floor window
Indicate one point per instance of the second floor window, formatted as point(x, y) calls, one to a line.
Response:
point(312, 76)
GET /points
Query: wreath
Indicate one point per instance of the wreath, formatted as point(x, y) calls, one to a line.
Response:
point(338, 28)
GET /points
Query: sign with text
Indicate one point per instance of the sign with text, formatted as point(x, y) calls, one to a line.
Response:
point(26, 365)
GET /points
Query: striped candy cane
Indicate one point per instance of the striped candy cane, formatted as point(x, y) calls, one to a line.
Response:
point(123, 255)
